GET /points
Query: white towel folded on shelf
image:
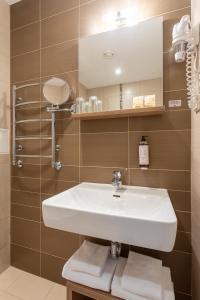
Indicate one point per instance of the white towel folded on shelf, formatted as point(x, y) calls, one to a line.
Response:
point(90, 258)
point(142, 276)
point(101, 283)
point(118, 291)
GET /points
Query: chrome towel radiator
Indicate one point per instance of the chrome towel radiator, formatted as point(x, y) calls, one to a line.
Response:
point(17, 159)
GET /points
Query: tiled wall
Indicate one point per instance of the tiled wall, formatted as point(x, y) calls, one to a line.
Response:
point(195, 166)
point(4, 123)
point(44, 43)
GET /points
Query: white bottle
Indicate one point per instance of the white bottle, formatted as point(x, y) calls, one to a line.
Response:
point(93, 103)
point(144, 153)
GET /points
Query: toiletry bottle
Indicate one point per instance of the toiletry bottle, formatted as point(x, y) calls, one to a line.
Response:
point(144, 153)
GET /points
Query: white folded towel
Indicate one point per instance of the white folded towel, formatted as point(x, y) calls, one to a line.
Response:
point(118, 291)
point(142, 276)
point(101, 283)
point(90, 258)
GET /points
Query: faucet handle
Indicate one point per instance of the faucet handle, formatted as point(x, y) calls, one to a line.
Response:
point(117, 174)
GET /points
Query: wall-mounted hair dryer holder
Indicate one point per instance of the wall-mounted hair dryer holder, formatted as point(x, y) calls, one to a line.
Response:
point(186, 47)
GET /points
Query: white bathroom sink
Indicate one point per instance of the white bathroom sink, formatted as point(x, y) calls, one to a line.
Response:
point(137, 216)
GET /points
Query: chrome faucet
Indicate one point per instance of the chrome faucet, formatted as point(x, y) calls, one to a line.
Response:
point(117, 180)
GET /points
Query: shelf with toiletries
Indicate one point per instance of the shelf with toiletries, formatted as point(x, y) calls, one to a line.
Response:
point(132, 112)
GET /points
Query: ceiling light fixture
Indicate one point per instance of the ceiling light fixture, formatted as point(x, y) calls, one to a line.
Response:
point(118, 71)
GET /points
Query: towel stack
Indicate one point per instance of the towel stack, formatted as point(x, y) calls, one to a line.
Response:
point(142, 278)
point(91, 265)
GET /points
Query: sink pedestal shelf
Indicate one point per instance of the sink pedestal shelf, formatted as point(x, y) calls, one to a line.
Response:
point(77, 291)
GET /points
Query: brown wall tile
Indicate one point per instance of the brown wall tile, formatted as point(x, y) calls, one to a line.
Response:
point(107, 149)
point(28, 170)
point(174, 74)
point(63, 59)
point(100, 175)
point(25, 39)
point(168, 150)
point(25, 67)
point(25, 212)
point(53, 239)
point(175, 95)
point(171, 120)
point(25, 233)
point(67, 173)
point(26, 184)
point(180, 200)
point(55, 187)
point(174, 180)
point(25, 198)
point(25, 259)
point(52, 28)
point(106, 125)
point(50, 7)
point(183, 242)
point(184, 221)
point(24, 12)
point(51, 268)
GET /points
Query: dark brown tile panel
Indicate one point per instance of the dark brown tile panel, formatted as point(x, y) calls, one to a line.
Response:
point(52, 7)
point(175, 95)
point(182, 296)
point(69, 149)
point(184, 221)
point(25, 233)
point(100, 175)
point(25, 198)
point(24, 12)
point(25, 259)
point(67, 173)
point(106, 125)
point(26, 184)
point(25, 39)
point(67, 126)
point(52, 240)
point(51, 268)
point(54, 187)
point(63, 58)
point(171, 120)
point(28, 170)
point(174, 74)
point(174, 180)
point(25, 212)
point(168, 150)
point(180, 200)
point(108, 150)
point(60, 28)
point(25, 67)
point(183, 242)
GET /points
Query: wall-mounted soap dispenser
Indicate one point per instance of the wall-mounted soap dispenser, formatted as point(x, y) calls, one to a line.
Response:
point(144, 153)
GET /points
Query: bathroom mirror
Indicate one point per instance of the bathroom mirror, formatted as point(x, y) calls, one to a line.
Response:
point(122, 68)
point(56, 91)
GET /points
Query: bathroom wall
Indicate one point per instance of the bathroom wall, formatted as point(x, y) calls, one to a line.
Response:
point(44, 43)
point(195, 151)
point(4, 129)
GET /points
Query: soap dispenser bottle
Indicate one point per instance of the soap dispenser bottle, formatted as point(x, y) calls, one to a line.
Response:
point(144, 153)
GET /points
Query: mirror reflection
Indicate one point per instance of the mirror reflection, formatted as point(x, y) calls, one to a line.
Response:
point(56, 91)
point(122, 69)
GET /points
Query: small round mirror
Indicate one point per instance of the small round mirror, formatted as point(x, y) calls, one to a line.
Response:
point(56, 91)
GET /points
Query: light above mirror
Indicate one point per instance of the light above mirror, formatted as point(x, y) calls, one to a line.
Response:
point(56, 91)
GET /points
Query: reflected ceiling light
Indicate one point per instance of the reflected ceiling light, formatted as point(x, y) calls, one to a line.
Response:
point(118, 71)
point(108, 54)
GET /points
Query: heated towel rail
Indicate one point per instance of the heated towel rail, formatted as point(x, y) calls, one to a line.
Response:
point(17, 159)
